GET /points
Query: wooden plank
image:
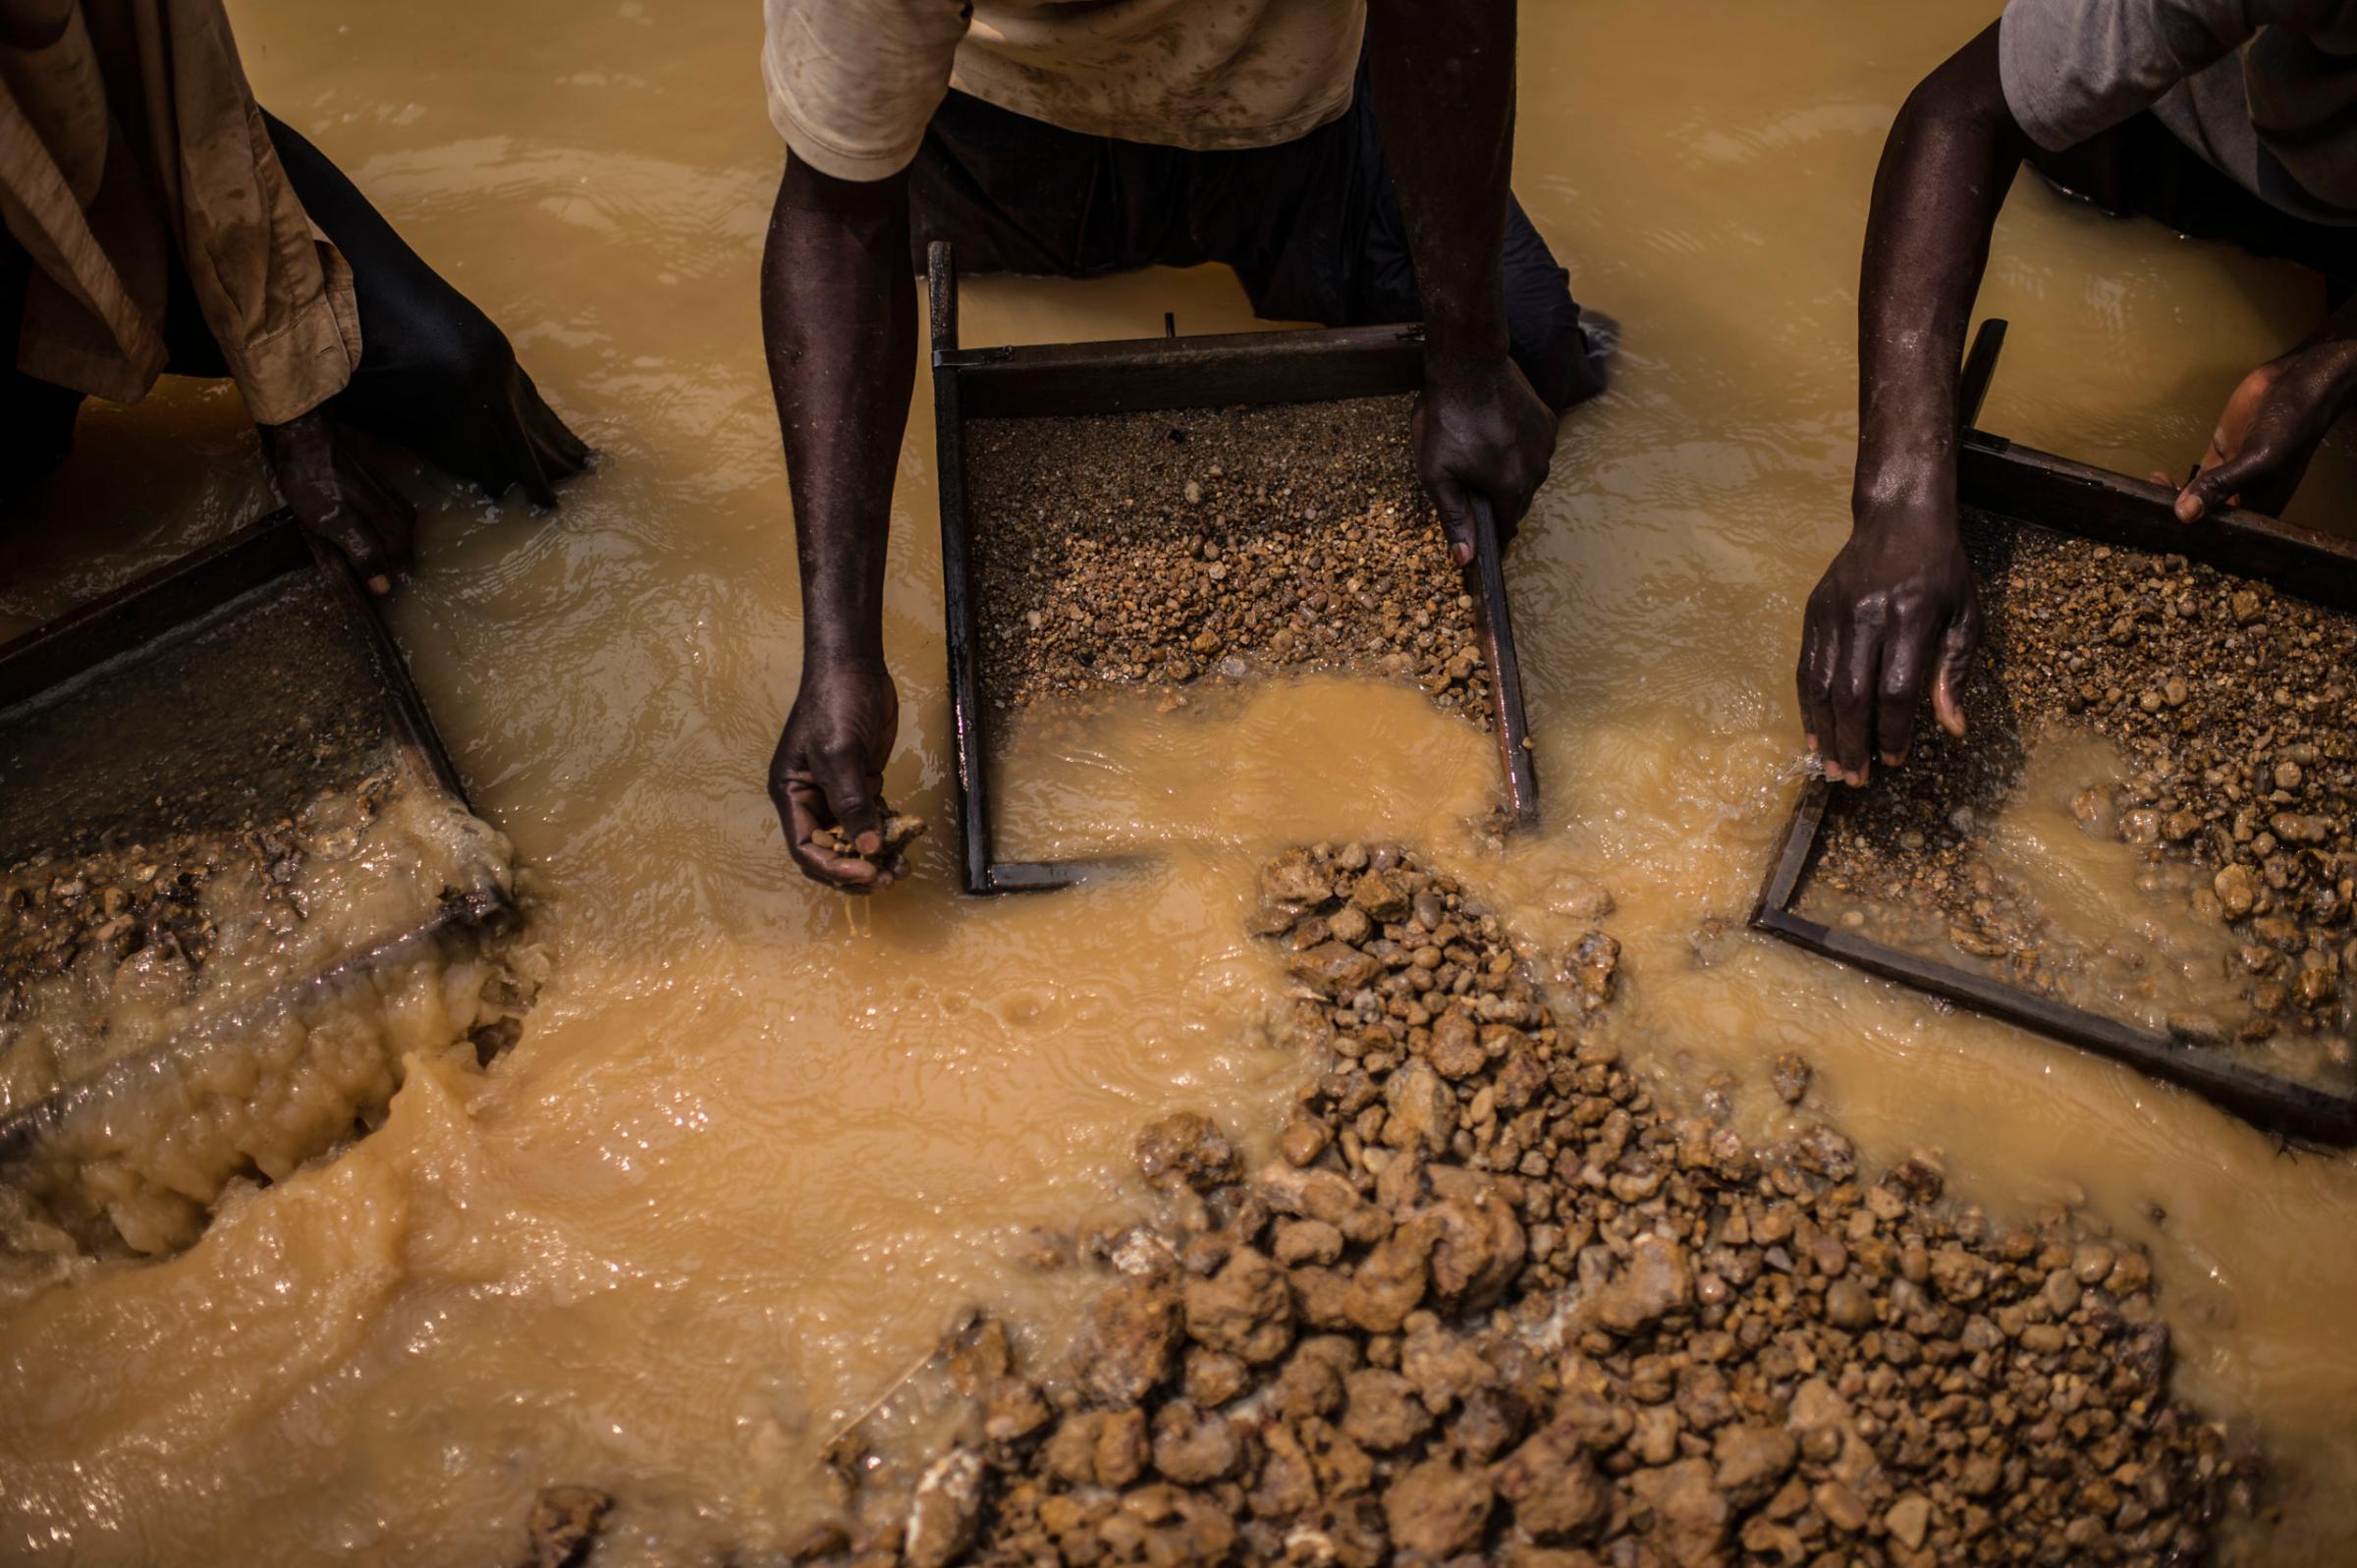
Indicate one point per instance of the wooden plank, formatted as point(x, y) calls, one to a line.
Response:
point(1793, 848)
point(1484, 580)
point(141, 612)
point(1980, 368)
point(1046, 876)
point(961, 636)
point(941, 296)
point(412, 724)
point(2276, 1105)
point(2025, 485)
point(1209, 372)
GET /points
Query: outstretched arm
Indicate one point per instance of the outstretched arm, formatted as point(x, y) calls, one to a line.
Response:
point(1444, 82)
point(839, 318)
point(1896, 607)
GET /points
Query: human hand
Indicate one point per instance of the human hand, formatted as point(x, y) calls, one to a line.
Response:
point(1481, 431)
point(340, 499)
point(828, 771)
point(1896, 607)
point(2270, 429)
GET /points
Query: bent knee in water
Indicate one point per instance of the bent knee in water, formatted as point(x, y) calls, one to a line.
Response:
point(1565, 351)
point(454, 353)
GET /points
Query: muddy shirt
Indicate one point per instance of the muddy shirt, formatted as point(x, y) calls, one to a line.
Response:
point(128, 136)
point(853, 83)
point(2264, 90)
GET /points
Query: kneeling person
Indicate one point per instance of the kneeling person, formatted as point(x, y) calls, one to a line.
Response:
point(161, 222)
point(1050, 137)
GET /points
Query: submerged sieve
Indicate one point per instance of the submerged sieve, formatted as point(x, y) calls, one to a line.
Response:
point(224, 814)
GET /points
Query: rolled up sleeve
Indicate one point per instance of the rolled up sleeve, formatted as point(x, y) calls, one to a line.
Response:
point(275, 296)
point(853, 84)
point(2073, 68)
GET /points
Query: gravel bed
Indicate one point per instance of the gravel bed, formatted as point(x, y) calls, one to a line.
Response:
point(1168, 548)
point(1497, 1300)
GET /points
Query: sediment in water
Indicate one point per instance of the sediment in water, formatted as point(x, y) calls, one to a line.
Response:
point(201, 1009)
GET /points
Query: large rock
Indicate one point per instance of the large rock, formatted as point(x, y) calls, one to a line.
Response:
point(1456, 1051)
point(1288, 1482)
point(1819, 1420)
point(1333, 968)
point(1479, 1246)
point(1423, 1110)
point(1390, 1281)
point(1247, 1309)
point(1689, 1516)
point(1381, 896)
point(1130, 1344)
point(1655, 1281)
point(1121, 1447)
point(1751, 1461)
point(1380, 1410)
point(1444, 1367)
point(1162, 1523)
point(1293, 880)
point(944, 1512)
point(1554, 1485)
point(1436, 1509)
point(1188, 1150)
point(564, 1525)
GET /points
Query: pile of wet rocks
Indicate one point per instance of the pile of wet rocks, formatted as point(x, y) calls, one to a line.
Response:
point(1190, 544)
point(2230, 705)
point(1498, 1302)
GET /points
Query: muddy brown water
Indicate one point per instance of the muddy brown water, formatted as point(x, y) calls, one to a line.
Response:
point(759, 1143)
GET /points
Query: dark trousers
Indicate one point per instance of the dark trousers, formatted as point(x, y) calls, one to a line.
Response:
point(2139, 168)
point(1312, 226)
point(436, 375)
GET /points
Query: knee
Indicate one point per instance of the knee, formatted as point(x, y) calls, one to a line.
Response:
point(1549, 344)
point(447, 346)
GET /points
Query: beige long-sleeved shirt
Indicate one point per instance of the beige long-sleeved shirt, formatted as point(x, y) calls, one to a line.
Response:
point(128, 131)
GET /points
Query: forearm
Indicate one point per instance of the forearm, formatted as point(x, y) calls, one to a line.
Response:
point(1443, 82)
point(1945, 168)
point(2335, 339)
point(839, 319)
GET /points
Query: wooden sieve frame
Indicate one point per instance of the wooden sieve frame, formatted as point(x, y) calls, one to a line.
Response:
point(1210, 371)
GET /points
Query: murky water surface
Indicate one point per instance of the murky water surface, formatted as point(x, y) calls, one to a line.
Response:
point(759, 1142)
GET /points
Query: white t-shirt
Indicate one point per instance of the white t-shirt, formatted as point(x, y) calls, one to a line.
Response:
point(853, 82)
